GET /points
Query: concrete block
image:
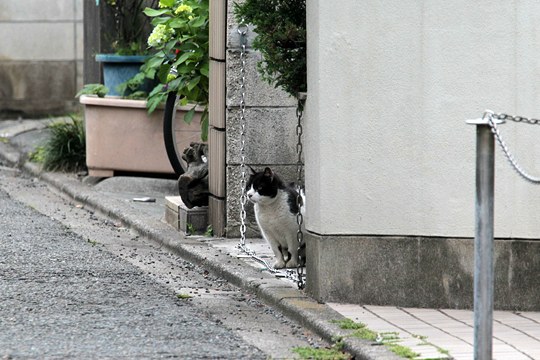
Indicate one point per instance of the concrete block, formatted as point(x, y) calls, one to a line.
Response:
point(80, 75)
point(79, 13)
point(258, 92)
point(35, 10)
point(233, 37)
point(418, 271)
point(286, 172)
point(270, 136)
point(37, 41)
point(181, 218)
point(37, 88)
point(79, 41)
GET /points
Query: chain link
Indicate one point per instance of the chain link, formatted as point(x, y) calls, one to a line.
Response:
point(495, 130)
point(503, 117)
point(299, 276)
point(242, 31)
point(300, 186)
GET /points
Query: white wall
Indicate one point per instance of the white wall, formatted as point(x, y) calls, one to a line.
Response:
point(41, 29)
point(390, 84)
point(41, 55)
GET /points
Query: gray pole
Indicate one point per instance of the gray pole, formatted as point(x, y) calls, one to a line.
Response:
point(483, 243)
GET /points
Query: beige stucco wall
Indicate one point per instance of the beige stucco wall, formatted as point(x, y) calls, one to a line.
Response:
point(390, 86)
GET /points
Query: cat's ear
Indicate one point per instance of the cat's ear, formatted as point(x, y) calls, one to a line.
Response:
point(253, 172)
point(268, 173)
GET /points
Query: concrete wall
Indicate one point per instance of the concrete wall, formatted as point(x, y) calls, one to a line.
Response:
point(390, 161)
point(41, 51)
point(270, 126)
point(390, 86)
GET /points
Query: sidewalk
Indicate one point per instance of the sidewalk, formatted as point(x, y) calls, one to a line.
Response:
point(432, 333)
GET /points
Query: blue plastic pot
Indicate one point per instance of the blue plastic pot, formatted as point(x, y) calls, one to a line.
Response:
point(118, 69)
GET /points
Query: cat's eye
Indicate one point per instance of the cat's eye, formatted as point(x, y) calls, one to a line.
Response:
point(259, 187)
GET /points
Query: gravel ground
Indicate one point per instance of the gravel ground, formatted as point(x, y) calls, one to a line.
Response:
point(74, 284)
point(61, 296)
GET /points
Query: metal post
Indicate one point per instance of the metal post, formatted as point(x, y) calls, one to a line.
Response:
point(483, 242)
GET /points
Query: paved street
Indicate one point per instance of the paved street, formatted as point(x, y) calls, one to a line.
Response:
point(74, 284)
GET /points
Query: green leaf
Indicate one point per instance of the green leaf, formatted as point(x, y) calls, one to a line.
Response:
point(182, 58)
point(198, 21)
point(163, 72)
point(155, 12)
point(167, 3)
point(177, 23)
point(155, 61)
point(93, 89)
point(194, 82)
point(204, 125)
point(156, 97)
point(204, 70)
point(188, 117)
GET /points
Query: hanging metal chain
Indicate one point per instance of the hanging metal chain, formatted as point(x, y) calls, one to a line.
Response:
point(300, 186)
point(242, 30)
point(495, 130)
point(299, 276)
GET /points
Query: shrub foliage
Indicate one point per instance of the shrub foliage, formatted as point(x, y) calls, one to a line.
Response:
point(281, 38)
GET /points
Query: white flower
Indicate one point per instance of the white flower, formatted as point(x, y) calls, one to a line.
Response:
point(160, 35)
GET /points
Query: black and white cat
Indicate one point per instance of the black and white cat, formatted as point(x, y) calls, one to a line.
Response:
point(275, 205)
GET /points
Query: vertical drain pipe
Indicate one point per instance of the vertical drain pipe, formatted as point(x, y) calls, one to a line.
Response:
point(484, 240)
point(217, 128)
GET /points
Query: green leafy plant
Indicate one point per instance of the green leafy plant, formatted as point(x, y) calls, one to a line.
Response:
point(65, 149)
point(180, 59)
point(190, 229)
point(360, 329)
point(93, 89)
point(281, 39)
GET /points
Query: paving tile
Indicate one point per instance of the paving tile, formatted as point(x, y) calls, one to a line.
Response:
point(452, 330)
point(531, 315)
point(380, 321)
point(466, 356)
point(509, 355)
point(466, 316)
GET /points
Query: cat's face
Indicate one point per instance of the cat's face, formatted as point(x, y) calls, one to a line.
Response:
point(262, 187)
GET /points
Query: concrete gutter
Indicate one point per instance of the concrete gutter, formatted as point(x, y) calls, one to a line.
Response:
point(294, 303)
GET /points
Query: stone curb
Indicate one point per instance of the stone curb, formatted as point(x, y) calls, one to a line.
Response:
point(315, 316)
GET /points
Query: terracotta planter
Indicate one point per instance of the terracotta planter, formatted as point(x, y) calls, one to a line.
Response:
point(121, 136)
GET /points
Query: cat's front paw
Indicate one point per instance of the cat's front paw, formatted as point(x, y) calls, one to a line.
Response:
point(292, 263)
point(279, 264)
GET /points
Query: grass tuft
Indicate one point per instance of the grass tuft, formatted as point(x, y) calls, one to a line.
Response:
point(321, 353)
point(183, 296)
point(65, 149)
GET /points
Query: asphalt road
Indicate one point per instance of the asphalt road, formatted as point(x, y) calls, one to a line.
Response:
point(74, 284)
